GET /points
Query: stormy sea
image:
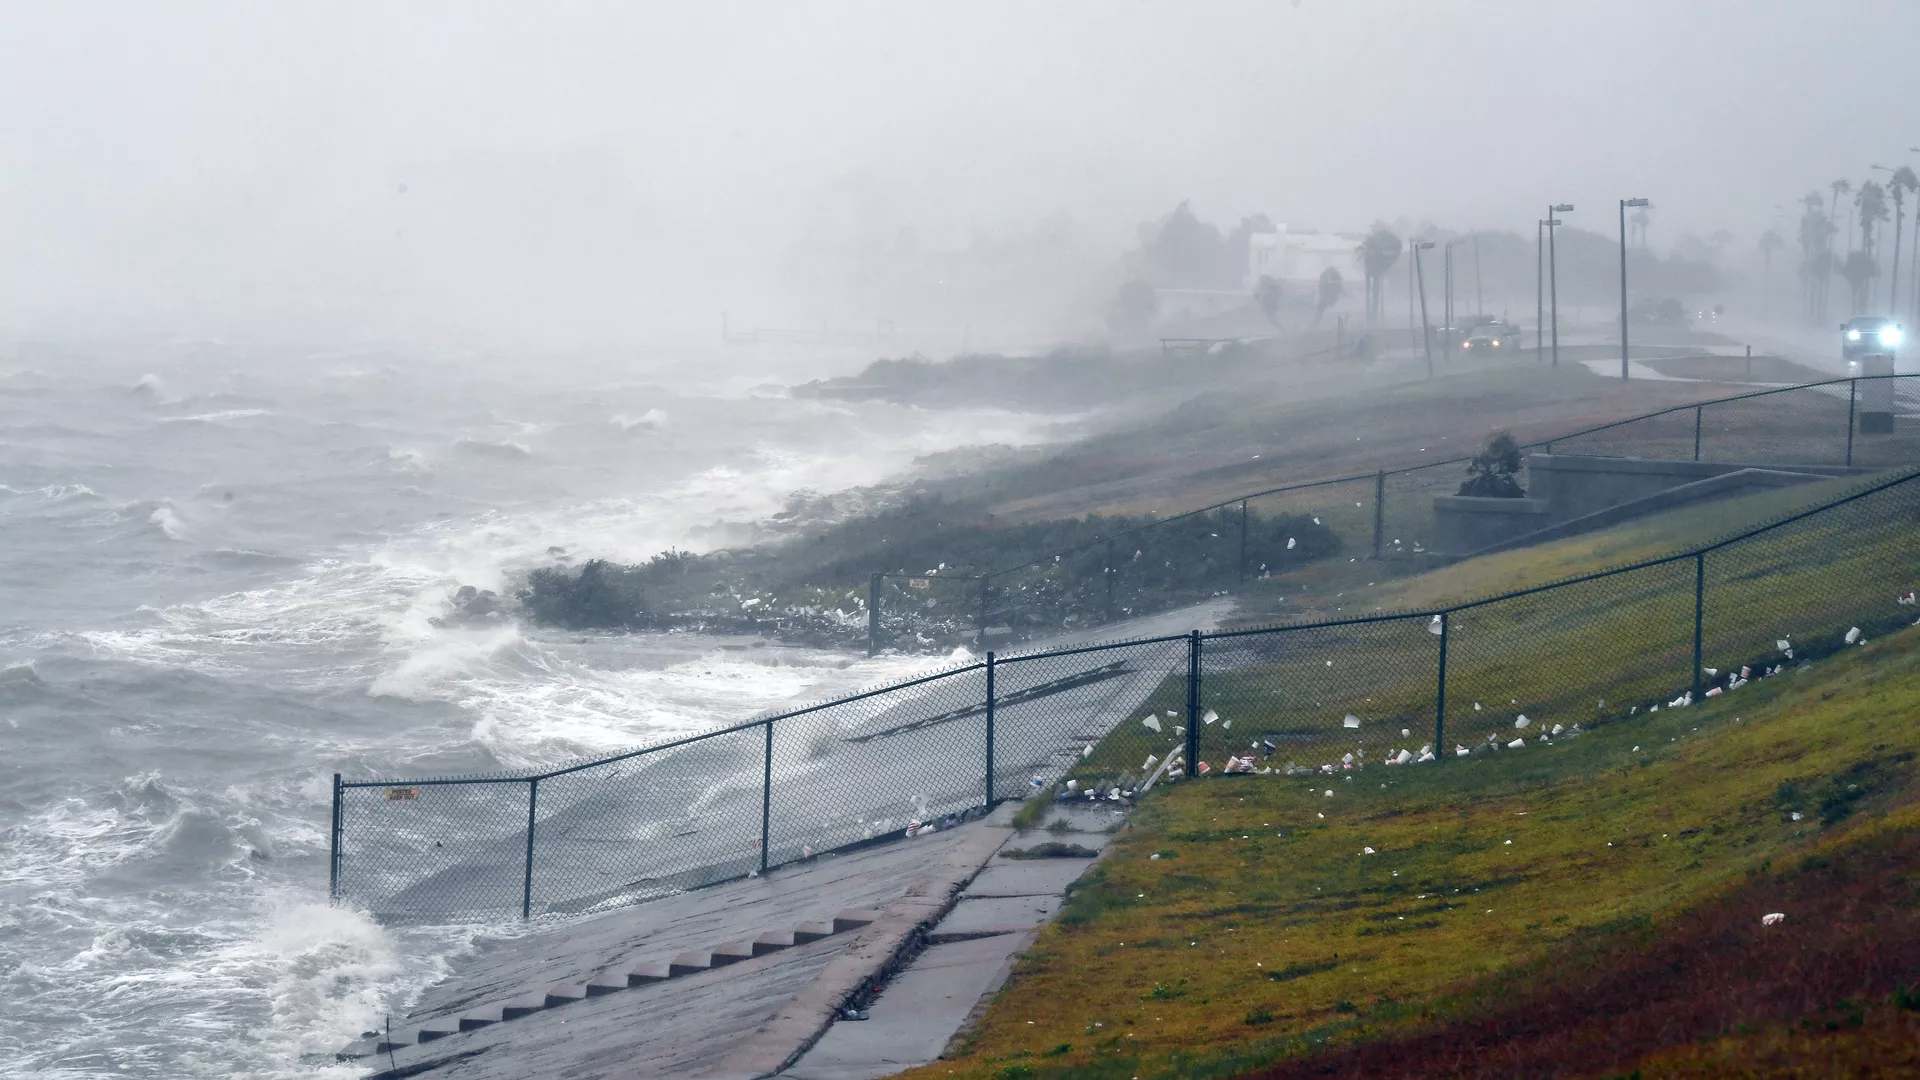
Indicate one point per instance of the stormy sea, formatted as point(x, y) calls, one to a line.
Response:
point(225, 578)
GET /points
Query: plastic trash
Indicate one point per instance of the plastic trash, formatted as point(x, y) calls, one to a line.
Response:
point(1406, 733)
point(1203, 770)
point(1367, 851)
point(1329, 793)
point(1351, 721)
point(1147, 766)
point(1210, 717)
point(1853, 635)
point(1402, 758)
point(1715, 692)
point(1152, 724)
point(1436, 626)
point(1289, 543)
point(1904, 598)
point(1516, 744)
point(1521, 721)
point(1476, 706)
point(1774, 919)
point(1088, 752)
point(1797, 815)
point(1073, 785)
point(1783, 645)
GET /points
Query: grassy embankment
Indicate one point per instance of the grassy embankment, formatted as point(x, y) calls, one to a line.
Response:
point(1594, 903)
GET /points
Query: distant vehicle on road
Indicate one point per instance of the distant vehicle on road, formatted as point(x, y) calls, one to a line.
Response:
point(1871, 335)
point(1492, 335)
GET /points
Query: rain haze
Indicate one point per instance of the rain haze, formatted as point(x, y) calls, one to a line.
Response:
point(580, 172)
point(435, 389)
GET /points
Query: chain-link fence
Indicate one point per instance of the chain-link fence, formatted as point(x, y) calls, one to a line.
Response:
point(1216, 550)
point(1110, 720)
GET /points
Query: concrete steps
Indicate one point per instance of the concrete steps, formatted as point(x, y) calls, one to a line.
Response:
point(558, 995)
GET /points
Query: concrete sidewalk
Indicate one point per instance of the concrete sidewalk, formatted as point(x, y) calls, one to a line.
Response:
point(969, 956)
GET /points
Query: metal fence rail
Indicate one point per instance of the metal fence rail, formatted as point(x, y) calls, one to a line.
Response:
point(1217, 549)
point(1411, 686)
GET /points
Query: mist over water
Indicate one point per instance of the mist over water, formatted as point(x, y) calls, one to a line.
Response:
point(219, 587)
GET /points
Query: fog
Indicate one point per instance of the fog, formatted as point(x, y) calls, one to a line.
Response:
point(570, 174)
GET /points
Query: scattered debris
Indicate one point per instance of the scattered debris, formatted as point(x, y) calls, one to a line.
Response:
point(1773, 919)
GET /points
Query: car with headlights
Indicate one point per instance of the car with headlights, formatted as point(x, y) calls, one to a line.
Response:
point(1491, 336)
point(1869, 336)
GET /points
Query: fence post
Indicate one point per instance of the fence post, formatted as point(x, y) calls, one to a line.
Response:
point(873, 614)
point(1240, 582)
point(1696, 432)
point(990, 701)
point(333, 845)
point(1110, 572)
point(1699, 614)
point(1440, 698)
point(1193, 704)
point(1853, 386)
point(1379, 509)
point(1749, 363)
point(526, 894)
point(766, 798)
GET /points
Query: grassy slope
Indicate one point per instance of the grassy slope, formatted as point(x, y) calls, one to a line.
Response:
point(1341, 589)
point(1263, 932)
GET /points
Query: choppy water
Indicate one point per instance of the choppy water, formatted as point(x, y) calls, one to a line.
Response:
point(216, 589)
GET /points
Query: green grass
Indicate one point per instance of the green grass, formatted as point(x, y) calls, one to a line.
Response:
point(1481, 868)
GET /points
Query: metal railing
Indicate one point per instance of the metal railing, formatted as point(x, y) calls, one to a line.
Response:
point(1218, 548)
point(1321, 696)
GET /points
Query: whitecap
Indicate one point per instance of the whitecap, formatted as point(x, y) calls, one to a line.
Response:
point(169, 523)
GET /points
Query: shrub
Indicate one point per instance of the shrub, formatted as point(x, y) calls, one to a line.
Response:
point(1490, 475)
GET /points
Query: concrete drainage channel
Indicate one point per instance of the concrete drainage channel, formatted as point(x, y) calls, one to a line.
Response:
point(910, 1012)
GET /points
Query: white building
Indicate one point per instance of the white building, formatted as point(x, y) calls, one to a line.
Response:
point(1300, 258)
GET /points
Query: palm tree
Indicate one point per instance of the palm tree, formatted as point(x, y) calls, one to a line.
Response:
point(1902, 182)
point(1872, 204)
point(1840, 187)
point(1859, 270)
point(1815, 262)
point(1377, 254)
point(1770, 242)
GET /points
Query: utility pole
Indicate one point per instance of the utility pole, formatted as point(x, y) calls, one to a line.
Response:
point(1446, 305)
point(1479, 298)
point(1426, 337)
point(1624, 203)
point(1553, 275)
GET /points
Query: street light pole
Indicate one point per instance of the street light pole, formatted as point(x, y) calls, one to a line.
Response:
point(1539, 285)
point(1446, 306)
point(1553, 275)
point(1624, 203)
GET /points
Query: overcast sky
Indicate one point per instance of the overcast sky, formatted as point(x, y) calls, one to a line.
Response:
point(613, 169)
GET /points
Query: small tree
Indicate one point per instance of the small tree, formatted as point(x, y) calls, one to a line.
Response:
point(1267, 294)
point(1331, 286)
point(1490, 475)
